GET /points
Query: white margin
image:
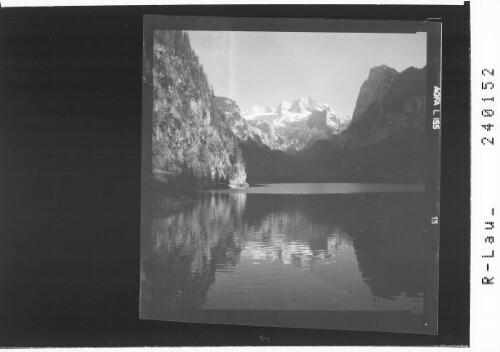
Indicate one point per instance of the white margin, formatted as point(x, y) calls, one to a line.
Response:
point(34, 3)
point(485, 314)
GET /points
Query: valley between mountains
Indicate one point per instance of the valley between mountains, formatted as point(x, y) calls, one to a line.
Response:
point(202, 141)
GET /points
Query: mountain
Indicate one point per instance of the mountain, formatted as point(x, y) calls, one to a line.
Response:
point(259, 143)
point(327, 121)
point(193, 146)
point(203, 141)
point(260, 110)
point(304, 104)
point(283, 106)
point(388, 103)
point(293, 126)
point(255, 130)
point(373, 90)
point(385, 141)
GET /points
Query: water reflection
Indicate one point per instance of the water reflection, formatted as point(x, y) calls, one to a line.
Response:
point(317, 252)
point(187, 248)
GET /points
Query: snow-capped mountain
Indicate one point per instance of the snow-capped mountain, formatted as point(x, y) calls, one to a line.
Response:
point(304, 104)
point(256, 130)
point(256, 110)
point(266, 112)
point(297, 123)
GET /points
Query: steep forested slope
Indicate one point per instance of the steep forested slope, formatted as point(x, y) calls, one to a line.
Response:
point(191, 145)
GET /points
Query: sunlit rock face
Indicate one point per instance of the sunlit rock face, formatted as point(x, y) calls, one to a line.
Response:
point(192, 143)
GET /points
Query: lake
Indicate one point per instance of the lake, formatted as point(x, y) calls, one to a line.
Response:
point(288, 247)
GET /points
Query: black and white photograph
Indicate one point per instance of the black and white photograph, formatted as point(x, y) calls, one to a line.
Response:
point(248, 176)
point(290, 178)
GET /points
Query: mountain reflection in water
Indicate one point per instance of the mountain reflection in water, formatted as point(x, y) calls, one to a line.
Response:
point(286, 252)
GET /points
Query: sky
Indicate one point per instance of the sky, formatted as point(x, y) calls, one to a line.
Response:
point(265, 68)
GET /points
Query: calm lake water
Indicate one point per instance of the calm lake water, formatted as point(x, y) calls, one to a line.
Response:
point(324, 247)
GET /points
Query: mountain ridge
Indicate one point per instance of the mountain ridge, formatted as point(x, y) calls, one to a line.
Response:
point(387, 103)
point(201, 140)
point(384, 143)
point(296, 124)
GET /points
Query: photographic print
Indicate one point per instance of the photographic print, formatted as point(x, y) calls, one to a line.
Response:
point(291, 173)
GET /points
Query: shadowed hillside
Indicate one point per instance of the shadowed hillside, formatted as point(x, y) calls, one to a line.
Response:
point(385, 141)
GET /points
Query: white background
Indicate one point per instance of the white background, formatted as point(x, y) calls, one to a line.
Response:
point(485, 30)
point(485, 321)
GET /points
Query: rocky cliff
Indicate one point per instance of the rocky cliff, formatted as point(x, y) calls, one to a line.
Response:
point(200, 140)
point(385, 140)
point(373, 90)
point(193, 146)
point(388, 103)
point(257, 131)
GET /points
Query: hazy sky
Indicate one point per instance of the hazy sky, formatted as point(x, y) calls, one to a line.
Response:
point(260, 68)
